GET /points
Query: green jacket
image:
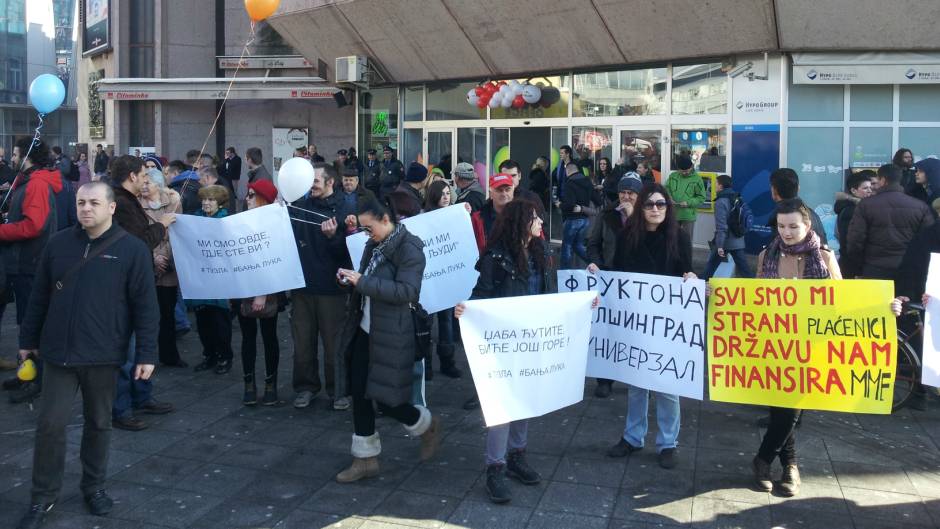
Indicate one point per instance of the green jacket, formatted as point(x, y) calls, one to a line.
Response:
point(688, 189)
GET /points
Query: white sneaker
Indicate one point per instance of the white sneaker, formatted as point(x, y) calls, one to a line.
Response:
point(302, 400)
point(341, 404)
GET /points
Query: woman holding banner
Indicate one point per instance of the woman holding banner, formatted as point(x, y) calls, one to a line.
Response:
point(380, 334)
point(795, 253)
point(652, 243)
point(513, 264)
point(260, 311)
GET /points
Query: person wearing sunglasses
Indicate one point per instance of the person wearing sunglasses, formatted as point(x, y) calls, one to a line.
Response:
point(652, 243)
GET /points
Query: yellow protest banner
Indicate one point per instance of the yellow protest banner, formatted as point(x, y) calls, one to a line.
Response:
point(810, 344)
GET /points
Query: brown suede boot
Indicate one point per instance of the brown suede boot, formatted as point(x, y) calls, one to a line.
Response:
point(789, 485)
point(360, 468)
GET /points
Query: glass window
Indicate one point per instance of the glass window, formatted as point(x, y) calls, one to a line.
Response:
point(624, 93)
point(14, 74)
point(553, 101)
point(499, 150)
point(449, 101)
point(412, 147)
point(471, 148)
point(705, 144)
point(815, 153)
point(378, 119)
point(642, 146)
point(414, 103)
point(589, 145)
point(922, 141)
point(871, 102)
point(554, 229)
point(920, 103)
point(699, 89)
point(816, 103)
point(869, 146)
point(140, 124)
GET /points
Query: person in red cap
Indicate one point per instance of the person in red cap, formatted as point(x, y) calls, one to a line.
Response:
point(501, 193)
point(260, 311)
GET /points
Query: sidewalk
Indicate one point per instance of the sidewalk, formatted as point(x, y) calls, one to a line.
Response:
point(214, 463)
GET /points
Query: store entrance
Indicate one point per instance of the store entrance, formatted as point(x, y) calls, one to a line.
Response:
point(527, 144)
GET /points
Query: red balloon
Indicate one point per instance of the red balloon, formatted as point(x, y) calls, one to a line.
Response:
point(518, 102)
point(479, 91)
point(501, 83)
point(490, 88)
point(481, 103)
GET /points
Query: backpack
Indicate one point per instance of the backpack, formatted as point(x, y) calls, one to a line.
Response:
point(740, 217)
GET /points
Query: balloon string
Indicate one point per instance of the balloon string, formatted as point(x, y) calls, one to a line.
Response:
point(245, 51)
point(305, 221)
point(308, 211)
point(23, 161)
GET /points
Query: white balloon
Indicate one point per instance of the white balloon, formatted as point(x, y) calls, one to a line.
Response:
point(513, 84)
point(505, 91)
point(471, 93)
point(517, 88)
point(495, 100)
point(506, 102)
point(531, 94)
point(473, 98)
point(294, 179)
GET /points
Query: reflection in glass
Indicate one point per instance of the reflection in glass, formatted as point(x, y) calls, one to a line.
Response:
point(554, 224)
point(641, 146)
point(499, 151)
point(439, 147)
point(699, 89)
point(411, 147)
point(624, 93)
point(378, 119)
point(705, 144)
point(589, 145)
point(471, 148)
point(414, 103)
point(449, 101)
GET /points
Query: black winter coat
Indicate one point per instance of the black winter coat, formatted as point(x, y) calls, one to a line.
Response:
point(393, 172)
point(89, 322)
point(499, 277)
point(130, 215)
point(579, 191)
point(320, 256)
point(649, 257)
point(911, 278)
point(392, 288)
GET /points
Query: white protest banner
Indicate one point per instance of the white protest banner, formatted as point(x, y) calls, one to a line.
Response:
point(245, 255)
point(649, 330)
point(527, 353)
point(931, 370)
point(450, 252)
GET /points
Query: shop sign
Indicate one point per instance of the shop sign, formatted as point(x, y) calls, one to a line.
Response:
point(867, 74)
point(96, 27)
point(263, 63)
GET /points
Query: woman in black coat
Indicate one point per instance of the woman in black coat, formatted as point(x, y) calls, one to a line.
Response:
point(514, 264)
point(652, 243)
point(379, 336)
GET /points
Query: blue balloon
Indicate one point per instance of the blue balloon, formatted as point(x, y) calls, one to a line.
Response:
point(46, 93)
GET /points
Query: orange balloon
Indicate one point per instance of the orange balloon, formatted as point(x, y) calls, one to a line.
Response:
point(259, 10)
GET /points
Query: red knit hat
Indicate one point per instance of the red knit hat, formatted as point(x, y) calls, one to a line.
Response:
point(266, 189)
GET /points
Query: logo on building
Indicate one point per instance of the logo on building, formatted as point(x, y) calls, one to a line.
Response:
point(812, 74)
point(911, 73)
point(740, 105)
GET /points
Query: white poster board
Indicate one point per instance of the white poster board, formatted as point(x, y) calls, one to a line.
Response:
point(285, 142)
point(649, 330)
point(527, 353)
point(249, 254)
point(450, 251)
point(931, 369)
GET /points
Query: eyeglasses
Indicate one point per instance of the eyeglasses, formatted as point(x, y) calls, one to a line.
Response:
point(251, 194)
point(659, 204)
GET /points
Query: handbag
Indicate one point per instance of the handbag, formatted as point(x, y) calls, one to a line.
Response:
point(269, 311)
point(422, 325)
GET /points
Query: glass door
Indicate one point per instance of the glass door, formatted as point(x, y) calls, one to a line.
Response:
point(641, 147)
point(439, 149)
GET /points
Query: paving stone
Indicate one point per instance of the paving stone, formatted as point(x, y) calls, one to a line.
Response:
point(646, 475)
point(414, 509)
point(606, 473)
point(301, 519)
point(443, 481)
point(175, 508)
point(886, 506)
point(579, 499)
point(216, 478)
point(653, 507)
point(126, 496)
point(873, 477)
point(723, 514)
point(346, 499)
point(562, 520)
point(489, 515)
point(253, 455)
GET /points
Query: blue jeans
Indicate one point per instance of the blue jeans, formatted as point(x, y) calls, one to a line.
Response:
point(510, 436)
point(182, 320)
point(740, 262)
point(130, 393)
point(572, 240)
point(667, 418)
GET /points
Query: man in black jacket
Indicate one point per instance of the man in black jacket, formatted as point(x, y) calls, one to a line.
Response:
point(373, 173)
point(318, 310)
point(128, 176)
point(101, 162)
point(578, 204)
point(231, 169)
point(393, 171)
point(94, 287)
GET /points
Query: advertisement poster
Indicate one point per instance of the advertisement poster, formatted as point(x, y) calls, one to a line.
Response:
point(710, 181)
point(807, 344)
point(96, 33)
point(755, 153)
point(285, 142)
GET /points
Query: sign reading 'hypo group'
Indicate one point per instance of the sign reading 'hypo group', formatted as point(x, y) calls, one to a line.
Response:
point(648, 331)
point(823, 345)
point(527, 353)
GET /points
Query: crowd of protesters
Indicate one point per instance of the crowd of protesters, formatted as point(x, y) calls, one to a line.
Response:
point(62, 214)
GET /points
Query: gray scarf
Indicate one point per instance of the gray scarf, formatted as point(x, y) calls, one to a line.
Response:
point(377, 253)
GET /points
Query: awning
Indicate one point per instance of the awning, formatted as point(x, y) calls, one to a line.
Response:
point(866, 68)
point(210, 88)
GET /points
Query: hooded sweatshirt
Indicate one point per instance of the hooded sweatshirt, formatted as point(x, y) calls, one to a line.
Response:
point(931, 167)
point(187, 185)
point(688, 189)
point(32, 218)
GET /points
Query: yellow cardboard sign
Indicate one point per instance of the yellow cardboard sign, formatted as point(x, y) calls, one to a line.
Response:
point(809, 344)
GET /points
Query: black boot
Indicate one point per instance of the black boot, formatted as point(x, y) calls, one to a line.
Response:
point(270, 391)
point(446, 355)
point(496, 486)
point(251, 392)
point(518, 468)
